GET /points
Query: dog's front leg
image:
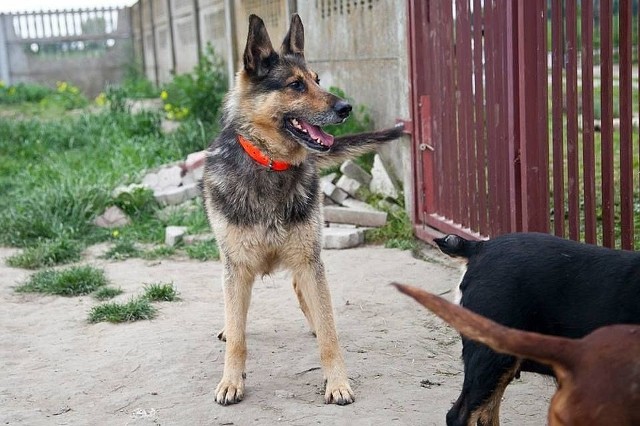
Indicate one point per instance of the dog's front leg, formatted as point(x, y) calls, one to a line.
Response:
point(236, 283)
point(311, 282)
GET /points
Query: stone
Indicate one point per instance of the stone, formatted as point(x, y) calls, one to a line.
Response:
point(357, 204)
point(113, 217)
point(195, 160)
point(381, 181)
point(193, 175)
point(341, 238)
point(351, 169)
point(331, 191)
point(189, 240)
point(327, 178)
point(174, 234)
point(349, 185)
point(168, 177)
point(359, 217)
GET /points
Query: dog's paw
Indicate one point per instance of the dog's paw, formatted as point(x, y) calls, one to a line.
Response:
point(338, 393)
point(229, 392)
point(222, 336)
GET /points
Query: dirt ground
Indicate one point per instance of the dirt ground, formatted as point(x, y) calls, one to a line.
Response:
point(404, 363)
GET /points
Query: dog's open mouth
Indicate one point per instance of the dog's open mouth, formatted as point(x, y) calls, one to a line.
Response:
point(313, 136)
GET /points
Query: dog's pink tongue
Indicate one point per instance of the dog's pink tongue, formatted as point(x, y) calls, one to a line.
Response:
point(316, 133)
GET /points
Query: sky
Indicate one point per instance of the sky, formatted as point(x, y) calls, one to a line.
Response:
point(35, 5)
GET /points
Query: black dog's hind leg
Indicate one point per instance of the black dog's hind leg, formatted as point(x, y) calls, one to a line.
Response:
point(486, 376)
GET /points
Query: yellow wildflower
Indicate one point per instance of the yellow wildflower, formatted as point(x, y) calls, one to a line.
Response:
point(2, 84)
point(115, 233)
point(168, 107)
point(101, 99)
point(164, 95)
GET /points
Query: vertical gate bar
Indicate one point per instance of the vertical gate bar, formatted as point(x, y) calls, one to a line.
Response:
point(572, 121)
point(532, 115)
point(606, 83)
point(490, 78)
point(479, 119)
point(440, 205)
point(557, 60)
point(463, 103)
point(588, 152)
point(503, 161)
point(626, 104)
point(449, 134)
point(511, 100)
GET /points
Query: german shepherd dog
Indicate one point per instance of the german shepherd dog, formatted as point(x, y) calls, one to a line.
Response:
point(262, 197)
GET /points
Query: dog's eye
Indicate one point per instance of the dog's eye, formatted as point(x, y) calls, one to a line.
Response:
point(297, 85)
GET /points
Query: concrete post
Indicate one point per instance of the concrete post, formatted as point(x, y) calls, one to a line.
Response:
point(5, 75)
point(229, 23)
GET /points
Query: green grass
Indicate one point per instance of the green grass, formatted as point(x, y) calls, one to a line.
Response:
point(106, 293)
point(47, 253)
point(160, 292)
point(134, 310)
point(122, 249)
point(398, 231)
point(203, 250)
point(73, 281)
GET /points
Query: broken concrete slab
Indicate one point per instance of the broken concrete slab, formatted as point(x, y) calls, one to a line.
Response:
point(349, 185)
point(177, 195)
point(333, 192)
point(341, 238)
point(351, 169)
point(359, 217)
point(381, 182)
point(357, 204)
point(193, 239)
point(174, 234)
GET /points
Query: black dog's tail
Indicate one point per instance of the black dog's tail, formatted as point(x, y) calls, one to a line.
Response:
point(349, 146)
point(456, 246)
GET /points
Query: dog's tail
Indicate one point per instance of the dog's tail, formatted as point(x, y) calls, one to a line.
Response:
point(456, 246)
point(348, 146)
point(550, 350)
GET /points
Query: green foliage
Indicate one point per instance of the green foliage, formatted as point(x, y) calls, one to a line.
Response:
point(47, 253)
point(198, 94)
point(398, 231)
point(106, 293)
point(116, 98)
point(122, 249)
point(23, 92)
point(160, 292)
point(66, 95)
point(134, 310)
point(203, 250)
point(136, 201)
point(74, 281)
point(137, 86)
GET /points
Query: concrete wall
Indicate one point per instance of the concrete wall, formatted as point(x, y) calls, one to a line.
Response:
point(46, 47)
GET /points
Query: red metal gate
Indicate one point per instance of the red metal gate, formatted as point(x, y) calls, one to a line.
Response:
point(488, 156)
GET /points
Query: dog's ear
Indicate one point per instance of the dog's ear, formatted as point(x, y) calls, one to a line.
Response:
point(294, 40)
point(259, 55)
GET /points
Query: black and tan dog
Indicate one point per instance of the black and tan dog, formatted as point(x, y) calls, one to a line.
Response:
point(262, 197)
point(598, 375)
point(538, 283)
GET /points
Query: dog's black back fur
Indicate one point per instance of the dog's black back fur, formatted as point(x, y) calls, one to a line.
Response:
point(541, 283)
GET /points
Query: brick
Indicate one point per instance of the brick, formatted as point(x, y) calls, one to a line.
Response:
point(341, 238)
point(357, 204)
point(331, 191)
point(174, 234)
point(381, 182)
point(359, 217)
point(193, 239)
point(349, 185)
point(113, 217)
point(351, 169)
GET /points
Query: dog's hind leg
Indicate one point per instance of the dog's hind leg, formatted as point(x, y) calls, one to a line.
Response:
point(311, 282)
point(486, 376)
point(237, 283)
point(304, 307)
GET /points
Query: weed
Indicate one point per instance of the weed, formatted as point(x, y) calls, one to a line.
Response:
point(134, 310)
point(122, 249)
point(136, 201)
point(158, 252)
point(159, 292)
point(74, 281)
point(398, 231)
point(106, 293)
point(203, 250)
point(47, 253)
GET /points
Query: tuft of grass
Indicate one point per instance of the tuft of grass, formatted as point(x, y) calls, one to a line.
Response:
point(73, 281)
point(123, 249)
point(203, 250)
point(397, 232)
point(106, 293)
point(158, 253)
point(160, 292)
point(134, 310)
point(47, 253)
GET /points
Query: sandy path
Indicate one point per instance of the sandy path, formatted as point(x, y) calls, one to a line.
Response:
point(58, 369)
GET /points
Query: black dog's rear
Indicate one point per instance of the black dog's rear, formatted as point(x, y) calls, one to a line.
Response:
point(540, 283)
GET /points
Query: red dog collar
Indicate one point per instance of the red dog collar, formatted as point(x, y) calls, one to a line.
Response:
point(255, 153)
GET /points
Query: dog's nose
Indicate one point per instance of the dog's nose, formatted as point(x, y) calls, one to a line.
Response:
point(342, 108)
